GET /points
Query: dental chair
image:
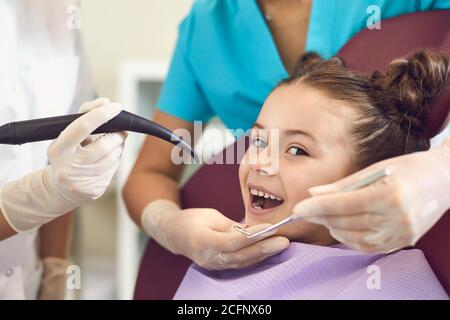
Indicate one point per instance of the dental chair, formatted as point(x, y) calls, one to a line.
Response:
point(161, 272)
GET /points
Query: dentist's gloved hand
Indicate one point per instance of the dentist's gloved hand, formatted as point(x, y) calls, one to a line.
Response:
point(207, 237)
point(80, 170)
point(390, 214)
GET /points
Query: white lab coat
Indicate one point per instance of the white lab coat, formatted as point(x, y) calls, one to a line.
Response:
point(41, 74)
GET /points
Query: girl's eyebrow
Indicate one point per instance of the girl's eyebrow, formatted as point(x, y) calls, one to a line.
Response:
point(290, 132)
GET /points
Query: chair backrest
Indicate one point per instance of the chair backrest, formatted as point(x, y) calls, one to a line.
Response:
point(371, 50)
point(161, 272)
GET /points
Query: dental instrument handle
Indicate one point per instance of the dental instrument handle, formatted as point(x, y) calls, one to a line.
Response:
point(371, 178)
point(273, 227)
point(21, 132)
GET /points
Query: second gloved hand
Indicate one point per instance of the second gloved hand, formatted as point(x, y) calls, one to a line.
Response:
point(80, 170)
point(207, 237)
point(390, 214)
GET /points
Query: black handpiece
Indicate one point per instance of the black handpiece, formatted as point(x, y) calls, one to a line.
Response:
point(21, 132)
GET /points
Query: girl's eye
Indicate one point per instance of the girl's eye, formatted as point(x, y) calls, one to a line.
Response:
point(258, 143)
point(297, 151)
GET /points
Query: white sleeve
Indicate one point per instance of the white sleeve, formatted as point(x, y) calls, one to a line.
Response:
point(85, 89)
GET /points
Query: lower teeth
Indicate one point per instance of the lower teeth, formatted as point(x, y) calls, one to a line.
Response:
point(259, 203)
point(264, 203)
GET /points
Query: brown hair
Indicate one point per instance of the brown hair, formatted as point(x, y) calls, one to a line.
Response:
point(392, 107)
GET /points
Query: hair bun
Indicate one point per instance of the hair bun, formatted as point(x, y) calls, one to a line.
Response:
point(410, 85)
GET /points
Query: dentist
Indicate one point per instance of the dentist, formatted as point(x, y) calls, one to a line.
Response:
point(42, 73)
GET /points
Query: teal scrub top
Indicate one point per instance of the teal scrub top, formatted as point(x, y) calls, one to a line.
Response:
point(226, 62)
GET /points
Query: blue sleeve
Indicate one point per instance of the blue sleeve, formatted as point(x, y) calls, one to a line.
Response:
point(181, 94)
point(434, 4)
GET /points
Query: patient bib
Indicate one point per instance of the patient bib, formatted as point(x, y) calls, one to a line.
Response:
point(315, 272)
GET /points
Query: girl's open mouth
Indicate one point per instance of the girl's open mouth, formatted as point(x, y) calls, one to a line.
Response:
point(262, 202)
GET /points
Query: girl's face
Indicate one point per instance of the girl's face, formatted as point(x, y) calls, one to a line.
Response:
point(312, 148)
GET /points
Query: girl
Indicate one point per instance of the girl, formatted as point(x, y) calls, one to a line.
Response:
point(332, 121)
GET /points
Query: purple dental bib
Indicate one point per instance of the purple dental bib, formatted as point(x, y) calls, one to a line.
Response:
point(306, 271)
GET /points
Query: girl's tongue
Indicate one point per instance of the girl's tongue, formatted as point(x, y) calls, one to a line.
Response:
point(260, 202)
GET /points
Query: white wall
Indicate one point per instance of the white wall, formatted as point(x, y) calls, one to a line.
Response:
point(114, 30)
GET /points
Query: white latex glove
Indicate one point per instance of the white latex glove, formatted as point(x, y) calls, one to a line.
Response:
point(80, 170)
point(207, 237)
point(390, 214)
point(54, 278)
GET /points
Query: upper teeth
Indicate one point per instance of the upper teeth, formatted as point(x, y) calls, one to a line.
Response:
point(264, 194)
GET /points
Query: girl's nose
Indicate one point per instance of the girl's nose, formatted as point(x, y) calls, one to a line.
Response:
point(266, 162)
point(266, 171)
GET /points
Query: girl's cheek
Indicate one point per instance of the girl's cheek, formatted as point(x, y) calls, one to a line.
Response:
point(297, 181)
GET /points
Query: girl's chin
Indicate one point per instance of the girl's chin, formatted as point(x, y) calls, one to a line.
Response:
point(252, 219)
point(269, 215)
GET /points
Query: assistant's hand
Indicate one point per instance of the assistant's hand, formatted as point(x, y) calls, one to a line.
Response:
point(394, 212)
point(54, 279)
point(207, 237)
point(80, 170)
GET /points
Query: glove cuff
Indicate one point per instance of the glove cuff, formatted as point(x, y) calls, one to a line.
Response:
point(446, 146)
point(154, 220)
point(442, 154)
point(30, 202)
point(53, 284)
point(3, 211)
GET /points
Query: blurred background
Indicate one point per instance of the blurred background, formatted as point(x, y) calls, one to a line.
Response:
point(120, 30)
point(129, 44)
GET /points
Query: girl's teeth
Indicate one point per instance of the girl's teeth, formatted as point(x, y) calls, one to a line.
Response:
point(263, 194)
